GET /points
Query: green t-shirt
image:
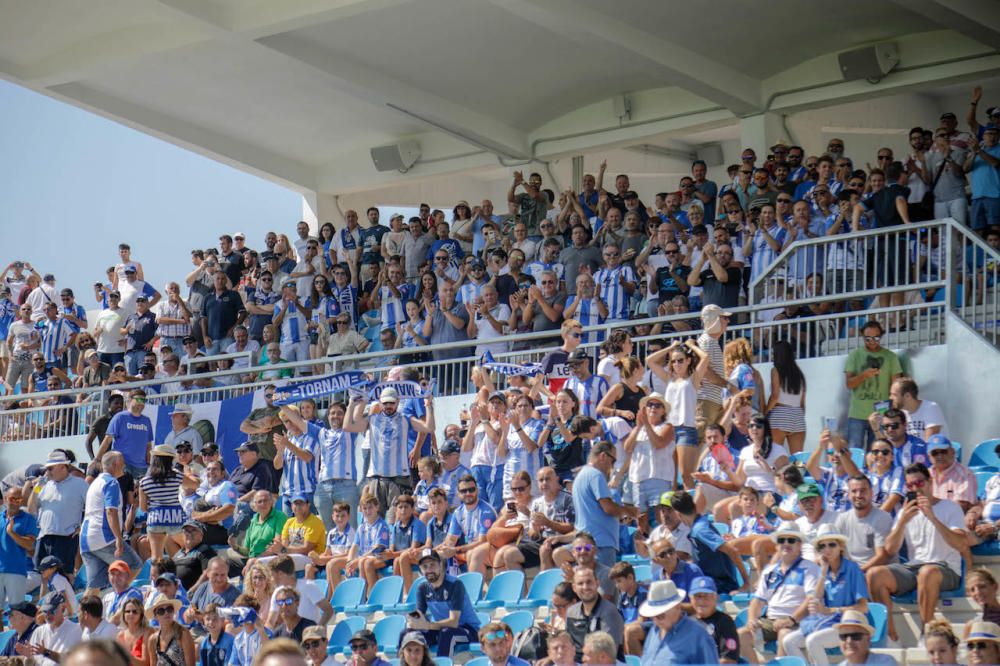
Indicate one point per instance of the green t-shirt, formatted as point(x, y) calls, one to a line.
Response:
point(260, 534)
point(867, 393)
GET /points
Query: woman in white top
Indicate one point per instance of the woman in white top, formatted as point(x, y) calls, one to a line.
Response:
point(486, 423)
point(650, 448)
point(786, 406)
point(615, 348)
point(758, 464)
point(684, 369)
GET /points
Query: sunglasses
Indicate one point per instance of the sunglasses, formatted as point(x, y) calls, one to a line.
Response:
point(309, 645)
point(163, 610)
point(978, 645)
point(358, 647)
point(755, 426)
point(873, 338)
point(787, 541)
point(614, 459)
point(892, 426)
point(585, 548)
point(940, 452)
point(518, 489)
point(857, 636)
point(916, 484)
point(670, 252)
point(824, 546)
point(284, 602)
point(784, 201)
point(664, 554)
point(494, 636)
point(881, 452)
point(466, 491)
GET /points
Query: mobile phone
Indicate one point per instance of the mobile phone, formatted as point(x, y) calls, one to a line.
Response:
point(414, 614)
point(828, 423)
point(910, 496)
point(882, 406)
point(511, 507)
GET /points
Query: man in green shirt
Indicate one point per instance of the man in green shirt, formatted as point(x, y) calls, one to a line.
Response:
point(870, 371)
point(263, 535)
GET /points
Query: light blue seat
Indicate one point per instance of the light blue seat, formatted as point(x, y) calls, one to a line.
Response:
point(878, 614)
point(410, 604)
point(643, 573)
point(348, 594)
point(984, 455)
point(387, 632)
point(981, 479)
point(442, 661)
point(858, 457)
point(541, 589)
point(632, 660)
point(340, 638)
point(322, 585)
point(385, 592)
point(788, 661)
point(518, 621)
point(505, 587)
point(478, 661)
point(473, 582)
point(5, 638)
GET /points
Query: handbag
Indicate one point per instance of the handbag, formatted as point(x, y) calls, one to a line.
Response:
point(500, 535)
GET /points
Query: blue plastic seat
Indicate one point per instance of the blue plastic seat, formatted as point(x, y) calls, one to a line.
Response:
point(632, 660)
point(957, 593)
point(473, 582)
point(348, 594)
point(442, 661)
point(410, 604)
point(322, 585)
point(387, 632)
point(518, 621)
point(5, 638)
point(504, 588)
point(643, 573)
point(478, 661)
point(958, 450)
point(385, 592)
point(788, 661)
point(981, 479)
point(858, 457)
point(340, 638)
point(984, 455)
point(541, 589)
point(878, 614)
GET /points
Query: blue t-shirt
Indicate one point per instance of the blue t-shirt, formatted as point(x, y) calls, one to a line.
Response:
point(470, 524)
point(706, 541)
point(628, 606)
point(401, 538)
point(436, 603)
point(13, 558)
point(371, 538)
point(216, 654)
point(984, 177)
point(415, 407)
point(589, 488)
point(835, 497)
point(687, 642)
point(131, 435)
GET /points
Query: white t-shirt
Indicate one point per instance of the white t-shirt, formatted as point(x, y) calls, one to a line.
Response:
point(683, 399)
point(484, 451)
point(927, 415)
point(110, 322)
point(22, 334)
point(649, 462)
point(758, 477)
point(925, 544)
point(243, 361)
point(309, 598)
point(607, 369)
point(104, 630)
point(784, 599)
point(485, 333)
point(59, 640)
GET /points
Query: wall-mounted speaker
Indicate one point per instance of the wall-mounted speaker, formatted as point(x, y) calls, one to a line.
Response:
point(710, 154)
point(871, 62)
point(396, 157)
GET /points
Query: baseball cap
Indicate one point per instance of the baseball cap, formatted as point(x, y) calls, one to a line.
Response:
point(49, 277)
point(477, 263)
point(25, 607)
point(428, 554)
point(239, 234)
point(807, 490)
point(210, 448)
point(188, 338)
point(947, 115)
point(182, 408)
point(248, 446)
point(711, 316)
point(667, 499)
point(366, 635)
point(120, 565)
point(194, 524)
point(314, 633)
point(579, 356)
point(450, 446)
point(130, 268)
point(498, 395)
point(702, 585)
point(166, 576)
point(48, 562)
point(389, 395)
point(699, 229)
point(631, 194)
point(51, 601)
point(938, 442)
point(299, 497)
point(413, 637)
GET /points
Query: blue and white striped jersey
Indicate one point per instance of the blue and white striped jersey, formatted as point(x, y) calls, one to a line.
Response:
point(77, 311)
point(339, 541)
point(293, 325)
point(470, 291)
point(298, 477)
point(336, 452)
point(392, 310)
point(590, 392)
point(518, 457)
point(612, 291)
point(347, 297)
point(588, 314)
point(55, 334)
point(388, 435)
point(371, 538)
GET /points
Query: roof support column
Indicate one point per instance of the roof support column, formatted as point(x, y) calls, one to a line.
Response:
point(760, 132)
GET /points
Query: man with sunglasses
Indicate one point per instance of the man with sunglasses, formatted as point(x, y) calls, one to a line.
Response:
point(469, 524)
point(951, 479)
point(855, 635)
point(131, 433)
point(314, 642)
point(784, 588)
point(934, 532)
point(907, 449)
point(869, 372)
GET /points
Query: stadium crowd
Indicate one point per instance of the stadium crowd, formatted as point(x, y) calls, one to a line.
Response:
point(641, 490)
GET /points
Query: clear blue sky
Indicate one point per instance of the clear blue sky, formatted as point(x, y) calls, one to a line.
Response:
point(73, 185)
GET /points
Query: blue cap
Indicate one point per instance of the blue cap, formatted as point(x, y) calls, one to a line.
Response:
point(937, 442)
point(702, 585)
point(299, 498)
point(450, 446)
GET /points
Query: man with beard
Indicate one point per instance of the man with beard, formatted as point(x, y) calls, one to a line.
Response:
point(445, 612)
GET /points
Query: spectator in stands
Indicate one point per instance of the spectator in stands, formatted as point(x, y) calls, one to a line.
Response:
point(944, 173)
point(674, 636)
point(22, 340)
point(870, 371)
point(784, 587)
point(445, 323)
point(57, 499)
point(171, 641)
point(592, 612)
point(181, 430)
point(216, 507)
point(855, 635)
point(935, 537)
point(102, 540)
point(214, 589)
point(92, 622)
point(885, 476)
point(288, 622)
point(119, 577)
point(716, 558)
point(99, 428)
point(721, 280)
point(263, 423)
point(22, 621)
point(131, 433)
point(907, 449)
point(221, 311)
point(865, 526)
point(983, 167)
point(469, 525)
point(709, 408)
point(194, 556)
point(952, 480)
point(17, 544)
point(446, 615)
point(596, 512)
point(924, 418)
point(314, 643)
point(54, 638)
point(217, 645)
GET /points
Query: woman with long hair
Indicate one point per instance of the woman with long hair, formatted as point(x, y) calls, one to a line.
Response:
point(427, 289)
point(623, 398)
point(171, 644)
point(563, 448)
point(682, 367)
point(325, 308)
point(516, 513)
point(258, 584)
point(737, 359)
point(650, 450)
point(159, 498)
point(461, 226)
point(617, 347)
point(786, 408)
point(758, 467)
point(133, 630)
point(840, 587)
point(941, 643)
point(326, 235)
point(885, 475)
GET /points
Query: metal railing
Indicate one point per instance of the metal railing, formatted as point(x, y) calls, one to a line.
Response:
point(962, 275)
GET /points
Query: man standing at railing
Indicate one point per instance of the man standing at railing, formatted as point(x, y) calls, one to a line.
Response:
point(131, 432)
point(983, 167)
point(555, 364)
point(446, 323)
point(870, 371)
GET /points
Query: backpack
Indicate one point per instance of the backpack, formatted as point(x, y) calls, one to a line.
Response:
point(531, 644)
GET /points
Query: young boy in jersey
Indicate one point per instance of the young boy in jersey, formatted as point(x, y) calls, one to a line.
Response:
point(406, 539)
point(438, 524)
point(250, 631)
point(750, 531)
point(338, 543)
point(631, 594)
point(217, 647)
point(429, 470)
point(370, 539)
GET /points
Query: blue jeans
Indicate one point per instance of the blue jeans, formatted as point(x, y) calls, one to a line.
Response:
point(859, 434)
point(133, 359)
point(218, 346)
point(285, 502)
point(136, 471)
point(175, 344)
point(985, 212)
point(97, 562)
point(608, 556)
point(490, 482)
point(331, 491)
point(111, 358)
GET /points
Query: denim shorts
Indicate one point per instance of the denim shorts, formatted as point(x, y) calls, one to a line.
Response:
point(686, 436)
